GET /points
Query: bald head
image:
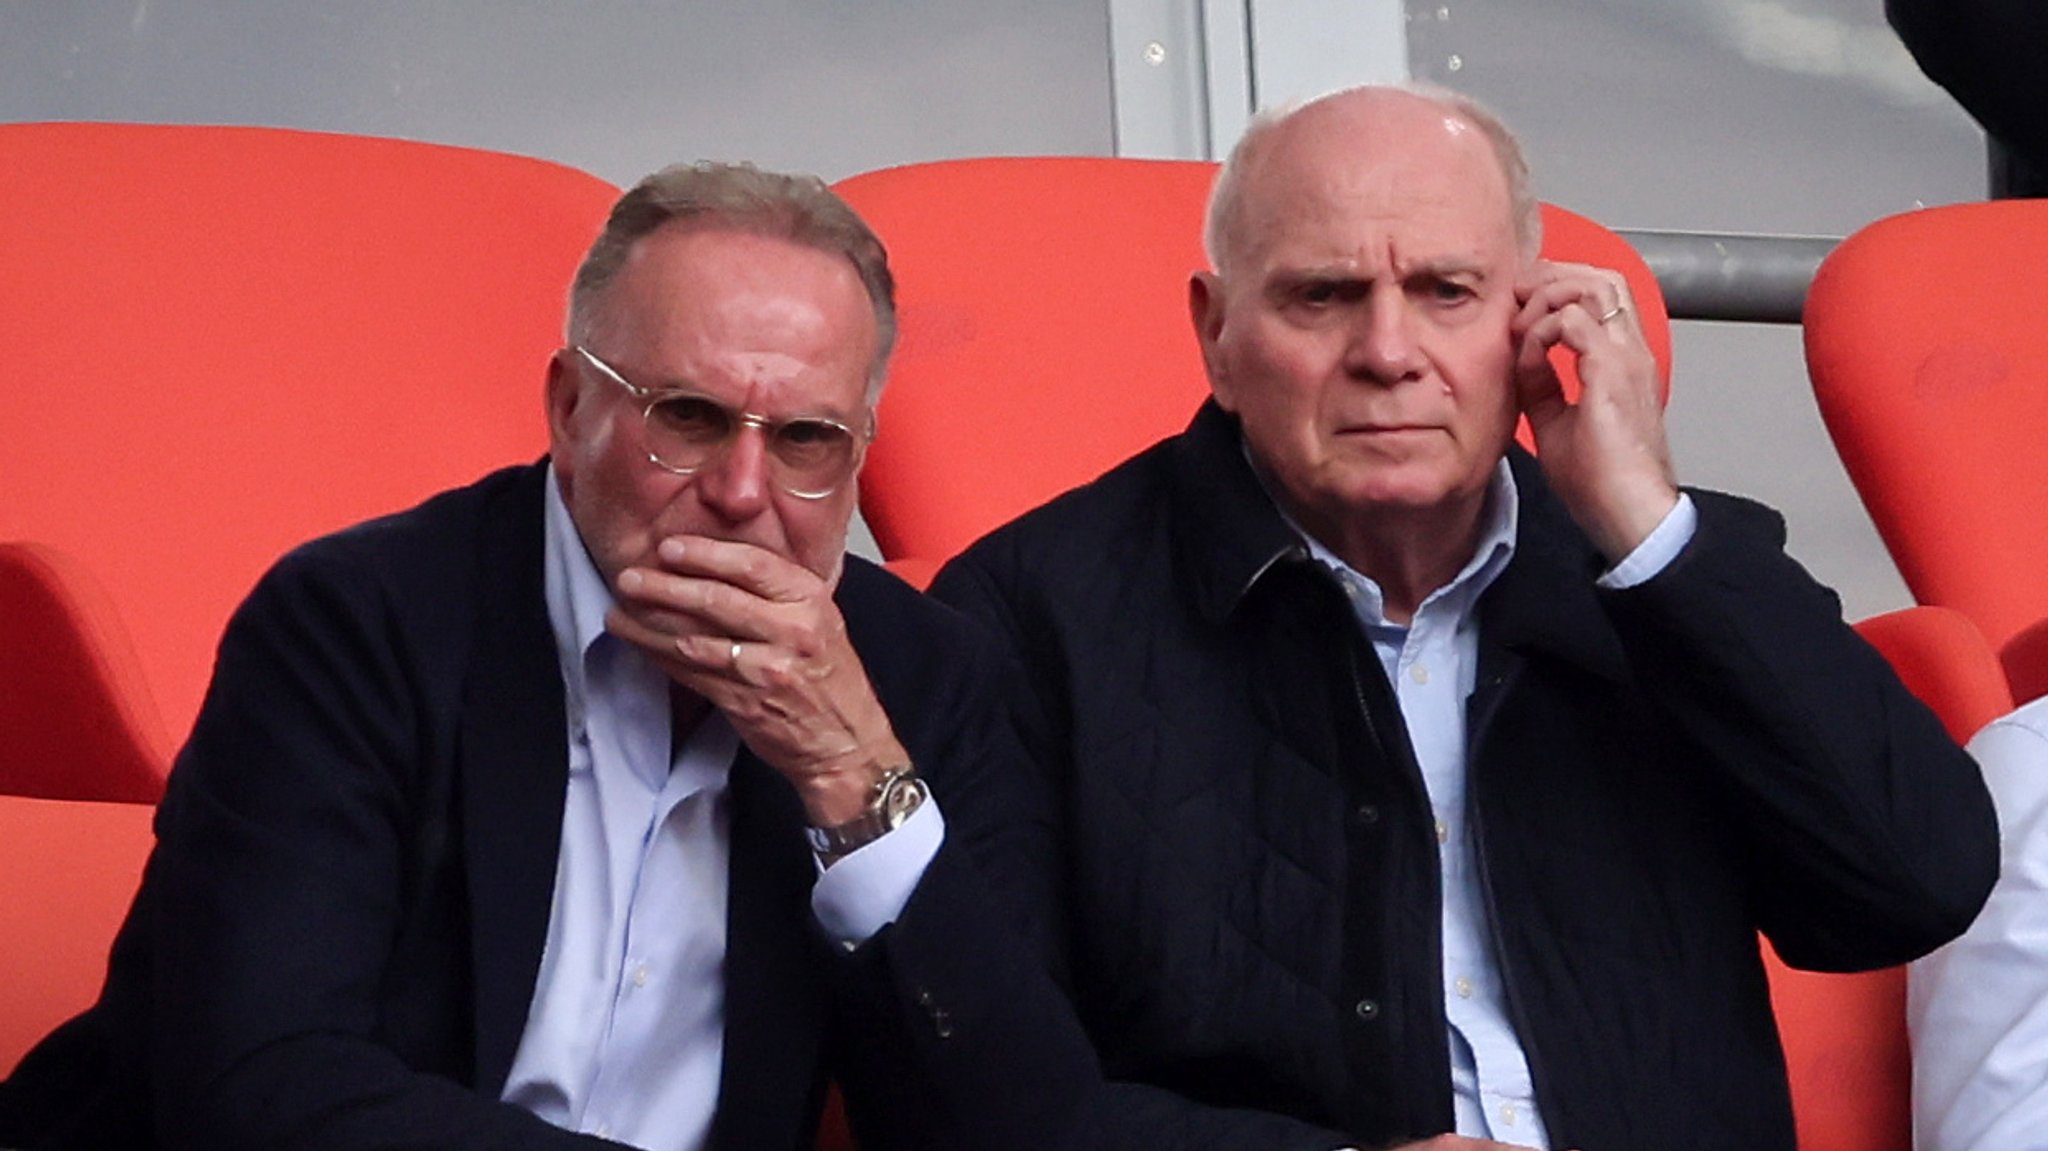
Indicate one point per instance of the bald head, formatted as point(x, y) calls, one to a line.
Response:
point(1359, 136)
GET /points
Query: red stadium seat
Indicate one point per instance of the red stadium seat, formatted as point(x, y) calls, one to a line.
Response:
point(223, 341)
point(1929, 361)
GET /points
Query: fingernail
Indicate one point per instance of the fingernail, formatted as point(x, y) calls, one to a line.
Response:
point(672, 548)
point(630, 580)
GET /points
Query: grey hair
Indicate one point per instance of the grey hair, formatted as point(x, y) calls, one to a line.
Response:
point(1226, 196)
point(743, 198)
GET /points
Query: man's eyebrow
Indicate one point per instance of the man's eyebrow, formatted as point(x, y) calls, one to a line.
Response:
point(1453, 267)
point(1449, 267)
point(1319, 273)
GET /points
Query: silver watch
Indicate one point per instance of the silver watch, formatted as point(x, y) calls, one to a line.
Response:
point(897, 794)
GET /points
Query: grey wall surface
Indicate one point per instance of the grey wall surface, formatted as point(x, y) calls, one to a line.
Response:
point(1740, 115)
point(616, 87)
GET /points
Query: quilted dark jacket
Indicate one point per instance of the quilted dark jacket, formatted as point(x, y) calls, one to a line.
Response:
point(1251, 911)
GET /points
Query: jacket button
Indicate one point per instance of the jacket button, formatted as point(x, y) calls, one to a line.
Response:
point(1367, 1010)
point(1367, 814)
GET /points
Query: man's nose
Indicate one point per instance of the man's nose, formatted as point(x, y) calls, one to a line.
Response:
point(1382, 346)
point(735, 484)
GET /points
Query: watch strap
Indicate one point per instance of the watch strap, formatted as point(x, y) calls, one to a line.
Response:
point(896, 796)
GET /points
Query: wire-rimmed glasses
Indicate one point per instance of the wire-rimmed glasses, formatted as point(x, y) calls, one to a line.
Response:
point(809, 457)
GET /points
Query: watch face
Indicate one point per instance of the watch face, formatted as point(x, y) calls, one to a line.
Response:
point(904, 795)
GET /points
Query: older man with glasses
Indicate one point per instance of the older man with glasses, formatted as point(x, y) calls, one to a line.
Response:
point(601, 799)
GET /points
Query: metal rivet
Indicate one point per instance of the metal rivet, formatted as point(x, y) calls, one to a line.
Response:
point(1155, 53)
point(1367, 1009)
point(1455, 64)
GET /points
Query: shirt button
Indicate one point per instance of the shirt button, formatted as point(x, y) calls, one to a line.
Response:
point(1443, 832)
point(1419, 673)
point(640, 975)
point(1367, 814)
point(1463, 987)
point(1367, 1010)
point(604, 1131)
point(1507, 1114)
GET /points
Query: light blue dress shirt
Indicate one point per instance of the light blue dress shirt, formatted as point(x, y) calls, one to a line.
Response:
point(1978, 1007)
point(624, 1038)
point(1432, 664)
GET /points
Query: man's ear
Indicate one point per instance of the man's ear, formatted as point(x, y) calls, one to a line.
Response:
point(562, 395)
point(1205, 311)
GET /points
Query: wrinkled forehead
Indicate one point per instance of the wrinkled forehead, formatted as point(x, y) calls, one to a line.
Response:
point(1416, 166)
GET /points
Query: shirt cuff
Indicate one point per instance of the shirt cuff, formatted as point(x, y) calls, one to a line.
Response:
point(865, 891)
point(1658, 549)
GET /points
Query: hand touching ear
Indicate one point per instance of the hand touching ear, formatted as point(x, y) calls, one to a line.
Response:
point(1606, 454)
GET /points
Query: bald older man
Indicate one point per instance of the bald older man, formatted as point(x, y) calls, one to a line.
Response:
point(1414, 785)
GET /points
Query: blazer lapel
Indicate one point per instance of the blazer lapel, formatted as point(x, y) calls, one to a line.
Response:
point(774, 991)
point(512, 771)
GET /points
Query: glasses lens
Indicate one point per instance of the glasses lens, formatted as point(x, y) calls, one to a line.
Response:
point(808, 457)
point(685, 431)
point(813, 454)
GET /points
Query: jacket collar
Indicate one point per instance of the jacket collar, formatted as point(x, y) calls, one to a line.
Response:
point(1228, 536)
point(1546, 600)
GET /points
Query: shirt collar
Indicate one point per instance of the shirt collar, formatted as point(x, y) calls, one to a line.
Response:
point(577, 599)
point(1495, 548)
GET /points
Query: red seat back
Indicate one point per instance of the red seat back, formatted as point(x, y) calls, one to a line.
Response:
point(1929, 360)
point(223, 341)
point(71, 869)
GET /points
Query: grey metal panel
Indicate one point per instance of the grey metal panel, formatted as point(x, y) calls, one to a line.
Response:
point(1304, 48)
point(1188, 73)
point(1159, 70)
point(1226, 32)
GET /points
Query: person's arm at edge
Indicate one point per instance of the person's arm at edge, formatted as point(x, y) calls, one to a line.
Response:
point(1977, 1009)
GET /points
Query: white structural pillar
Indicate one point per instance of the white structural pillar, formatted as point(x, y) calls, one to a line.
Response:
point(1185, 74)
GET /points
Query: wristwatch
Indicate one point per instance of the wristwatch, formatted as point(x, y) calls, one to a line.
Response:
point(898, 793)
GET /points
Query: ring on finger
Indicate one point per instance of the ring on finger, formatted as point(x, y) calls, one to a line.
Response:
point(735, 653)
point(1613, 312)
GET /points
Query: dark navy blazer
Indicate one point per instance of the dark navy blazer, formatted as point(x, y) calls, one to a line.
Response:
point(338, 934)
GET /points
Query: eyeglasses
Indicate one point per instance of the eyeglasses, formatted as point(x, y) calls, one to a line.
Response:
point(809, 457)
